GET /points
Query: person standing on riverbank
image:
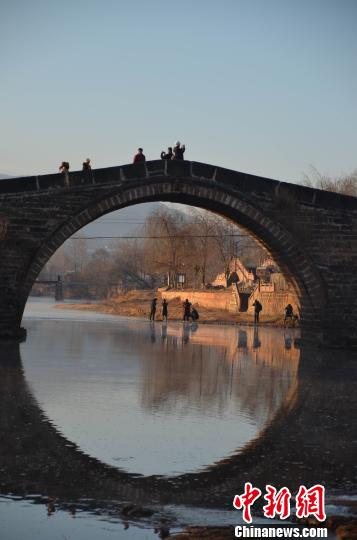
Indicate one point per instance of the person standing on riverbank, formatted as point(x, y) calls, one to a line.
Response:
point(153, 309)
point(186, 310)
point(257, 309)
point(288, 313)
point(164, 310)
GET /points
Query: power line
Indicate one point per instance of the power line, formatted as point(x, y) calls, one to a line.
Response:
point(157, 237)
point(128, 222)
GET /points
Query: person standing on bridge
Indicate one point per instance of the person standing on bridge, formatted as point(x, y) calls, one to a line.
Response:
point(87, 167)
point(64, 169)
point(257, 309)
point(168, 155)
point(179, 150)
point(139, 157)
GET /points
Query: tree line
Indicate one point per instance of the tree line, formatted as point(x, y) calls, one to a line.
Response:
point(196, 243)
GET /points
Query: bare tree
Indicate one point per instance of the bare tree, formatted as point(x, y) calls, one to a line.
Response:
point(165, 250)
point(77, 253)
point(197, 243)
point(204, 228)
point(345, 184)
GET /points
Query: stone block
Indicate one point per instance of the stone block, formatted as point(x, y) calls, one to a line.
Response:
point(259, 184)
point(201, 170)
point(230, 178)
point(179, 168)
point(18, 185)
point(329, 199)
point(51, 181)
point(106, 175)
point(137, 170)
point(156, 168)
point(80, 178)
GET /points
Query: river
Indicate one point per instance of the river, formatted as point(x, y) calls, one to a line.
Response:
point(101, 413)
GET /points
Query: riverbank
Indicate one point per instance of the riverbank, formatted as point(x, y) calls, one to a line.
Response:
point(137, 304)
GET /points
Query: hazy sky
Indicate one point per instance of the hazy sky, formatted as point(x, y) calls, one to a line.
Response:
point(263, 86)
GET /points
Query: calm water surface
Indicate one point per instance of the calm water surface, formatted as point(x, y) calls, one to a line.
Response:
point(153, 398)
point(104, 402)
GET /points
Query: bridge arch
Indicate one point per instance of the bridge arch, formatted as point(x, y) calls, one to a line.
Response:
point(279, 242)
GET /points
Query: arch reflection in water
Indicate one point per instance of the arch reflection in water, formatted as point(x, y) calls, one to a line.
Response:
point(156, 400)
point(311, 439)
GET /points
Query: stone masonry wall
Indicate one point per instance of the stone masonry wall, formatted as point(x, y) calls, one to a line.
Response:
point(207, 299)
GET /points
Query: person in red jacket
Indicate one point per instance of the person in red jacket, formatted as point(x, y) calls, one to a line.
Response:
point(139, 156)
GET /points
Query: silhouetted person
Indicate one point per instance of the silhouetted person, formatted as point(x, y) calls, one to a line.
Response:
point(164, 332)
point(87, 167)
point(186, 310)
point(139, 156)
point(64, 169)
point(186, 333)
point(242, 339)
point(153, 309)
point(178, 151)
point(256, 341)
point(167, 155)
point(164, 309)
point(152, 332)
point(194, 314)
point(288, 341)
point(194, 327)
point(289, 313)
point(257, 309)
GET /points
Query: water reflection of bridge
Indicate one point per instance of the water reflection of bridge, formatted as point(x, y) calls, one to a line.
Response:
point(312, 438)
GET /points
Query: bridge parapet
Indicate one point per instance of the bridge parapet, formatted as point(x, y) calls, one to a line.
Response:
point(196, 171)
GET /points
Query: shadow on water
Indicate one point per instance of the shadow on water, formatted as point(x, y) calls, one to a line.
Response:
point(312, 438)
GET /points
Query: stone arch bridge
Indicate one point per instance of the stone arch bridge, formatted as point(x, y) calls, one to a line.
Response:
point(312, 234)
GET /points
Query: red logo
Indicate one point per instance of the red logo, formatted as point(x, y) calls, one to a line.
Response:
point(309, 502)
point(278, 502)
point(246, 500)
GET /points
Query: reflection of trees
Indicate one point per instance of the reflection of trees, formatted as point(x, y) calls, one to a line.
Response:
point(217, 374)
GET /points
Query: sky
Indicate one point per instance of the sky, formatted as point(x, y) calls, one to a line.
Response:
point(267, 87)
